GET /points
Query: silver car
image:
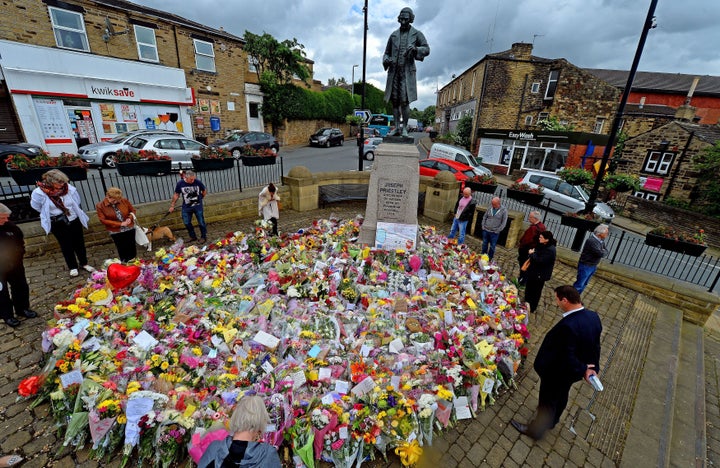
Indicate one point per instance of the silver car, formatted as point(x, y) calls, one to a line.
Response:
point(369, 146)
point(180, 148)
point(103, 153)
point(563, 196)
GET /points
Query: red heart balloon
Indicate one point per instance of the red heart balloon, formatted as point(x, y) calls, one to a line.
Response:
point(121, 276)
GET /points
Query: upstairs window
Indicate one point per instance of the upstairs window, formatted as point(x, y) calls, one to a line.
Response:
point(552, 84)
point(599, 125)
point(252, 64)
point(543, 116)
point(204, 56)
point(69, 29)
point(535, 88)
point(146, 43)
point(528, 120)
point(658, 162)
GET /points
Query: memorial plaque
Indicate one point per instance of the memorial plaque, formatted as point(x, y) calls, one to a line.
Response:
point(392, 199)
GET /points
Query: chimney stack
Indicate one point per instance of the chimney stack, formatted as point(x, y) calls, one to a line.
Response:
point(521, 50)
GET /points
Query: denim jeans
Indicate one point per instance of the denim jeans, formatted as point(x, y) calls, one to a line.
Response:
point(584, 273)
point(458, 225)
point(187, 212)
point(489, 242)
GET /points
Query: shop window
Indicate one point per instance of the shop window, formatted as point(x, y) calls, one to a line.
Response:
point(535, 87)
point(658, 163)
point(146, 43)
point(552, 84)
point(69, 29)
point(204, 56)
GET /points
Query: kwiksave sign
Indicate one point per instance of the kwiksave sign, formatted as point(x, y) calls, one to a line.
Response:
point(114, 91)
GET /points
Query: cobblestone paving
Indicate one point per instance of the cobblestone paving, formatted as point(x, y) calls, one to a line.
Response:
point(487, 441)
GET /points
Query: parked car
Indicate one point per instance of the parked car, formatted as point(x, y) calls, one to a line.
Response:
point(180, 148)
point(103, 153)
point(237, 140)
point(431, 166)
point(369, 147)
point(461, 155)
point(327, 137)
point(563, 196)
point(8, 149)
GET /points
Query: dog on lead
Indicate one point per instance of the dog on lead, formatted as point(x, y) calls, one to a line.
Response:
point(156, 233)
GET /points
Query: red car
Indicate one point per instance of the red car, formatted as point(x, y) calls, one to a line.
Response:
point(431, 166)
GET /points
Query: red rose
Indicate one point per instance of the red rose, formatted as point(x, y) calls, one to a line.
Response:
point(30, 386)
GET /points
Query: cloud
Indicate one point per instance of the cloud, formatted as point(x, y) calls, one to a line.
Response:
point(588, 33)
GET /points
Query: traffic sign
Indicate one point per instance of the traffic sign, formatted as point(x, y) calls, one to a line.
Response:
point(363, 114)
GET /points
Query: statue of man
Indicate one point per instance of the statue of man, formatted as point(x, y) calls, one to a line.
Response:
point(404, 46)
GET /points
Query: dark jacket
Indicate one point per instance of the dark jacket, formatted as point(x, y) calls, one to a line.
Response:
point(569, 346)
point(542, 262)
point(529, 238)
point(593, 251)
point(12, 248)
point(468, 212)
point(257, 454)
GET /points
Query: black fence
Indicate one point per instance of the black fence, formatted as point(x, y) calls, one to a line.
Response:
point(142, 189)
point(626, 248)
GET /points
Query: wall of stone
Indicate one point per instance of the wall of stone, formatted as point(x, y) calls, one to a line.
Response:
point(297, 132)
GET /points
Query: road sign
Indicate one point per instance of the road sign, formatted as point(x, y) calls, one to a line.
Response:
point(363, 114)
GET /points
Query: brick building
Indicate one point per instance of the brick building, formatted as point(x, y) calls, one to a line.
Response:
point(507, 93)
point(82, 71)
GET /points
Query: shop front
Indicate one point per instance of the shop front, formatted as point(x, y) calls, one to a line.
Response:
point(67, 99)
point(510, 150)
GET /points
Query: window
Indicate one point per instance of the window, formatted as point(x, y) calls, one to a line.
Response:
point(171, 143)
point(254, 110)
point(472, 86)
point(658, 163)
point(252, 65)
point(146, 44)
point(204, 56)
point(646, 195)
point(528, 120)
point(552, 84)
point(543, 115)
point(599, 124)
point(69, 29)
point(535, 87)
point(191, 145)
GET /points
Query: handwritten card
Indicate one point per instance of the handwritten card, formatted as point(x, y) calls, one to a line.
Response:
point(396, 346)
point(324, 373)
point(342, 387)
point(79, 326)
point(266, 339)
point(363, 387)
point(488, 385)
point(298, 379)
point(267, 367)
point(343, 432)
point(71, 378)
point(328, 399)
point(145, 341)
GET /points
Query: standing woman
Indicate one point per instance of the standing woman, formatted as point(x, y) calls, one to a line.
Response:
point(59, 206)
point(268, 206)
point(115, 212)
point(542, 262)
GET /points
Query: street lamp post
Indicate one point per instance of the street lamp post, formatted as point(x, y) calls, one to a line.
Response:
point(352, 86)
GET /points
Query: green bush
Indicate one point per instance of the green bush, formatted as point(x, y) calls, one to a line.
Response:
point(576, 176)
point(622, 182)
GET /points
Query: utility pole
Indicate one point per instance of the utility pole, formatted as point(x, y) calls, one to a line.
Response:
point(649, 24)
point(361, 142)
point(352, 86)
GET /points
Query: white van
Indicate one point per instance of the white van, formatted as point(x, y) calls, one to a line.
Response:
point(443, 151)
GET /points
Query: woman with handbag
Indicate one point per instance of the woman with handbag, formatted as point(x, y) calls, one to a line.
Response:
point(542, 262)
point(117, 215)
point(60, 213)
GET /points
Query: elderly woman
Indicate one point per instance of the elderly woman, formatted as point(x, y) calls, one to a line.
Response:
point(60, 213)
point(116, 213)
point(268, 206)
point(247, 425)
point(542, 263)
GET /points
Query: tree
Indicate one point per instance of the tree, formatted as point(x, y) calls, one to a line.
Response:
point(707, 191)
point(463, 131)
point(374, 98)
point(428, 116)
point(554, 124)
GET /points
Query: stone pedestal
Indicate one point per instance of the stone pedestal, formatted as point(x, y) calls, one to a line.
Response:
point(512, 232)
point(303, 189)
point(393, 190)
point(441, 196)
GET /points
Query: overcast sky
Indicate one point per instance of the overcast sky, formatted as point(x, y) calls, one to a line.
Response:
point(588, 33)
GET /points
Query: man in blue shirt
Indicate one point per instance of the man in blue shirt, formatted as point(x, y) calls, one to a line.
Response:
point(193, 191)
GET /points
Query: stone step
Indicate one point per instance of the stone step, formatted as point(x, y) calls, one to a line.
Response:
point(650, 429)
point(688, 442)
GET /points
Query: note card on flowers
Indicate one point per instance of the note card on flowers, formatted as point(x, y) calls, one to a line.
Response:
point(266, 339)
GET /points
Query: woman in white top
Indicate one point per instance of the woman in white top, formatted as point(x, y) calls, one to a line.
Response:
point(59, 206)
point(268, 206)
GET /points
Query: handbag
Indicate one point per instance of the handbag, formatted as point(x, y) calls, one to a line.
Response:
point(140, 237)
point(61, 218)
point(525, 265)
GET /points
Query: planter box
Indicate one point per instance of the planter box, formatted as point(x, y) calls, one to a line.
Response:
point(525, 197)
point(687, 248)
point(30, 176)
point(143, 168)
point(258, 160)
point(200, 165)
point(482, 188)
point(579, 223)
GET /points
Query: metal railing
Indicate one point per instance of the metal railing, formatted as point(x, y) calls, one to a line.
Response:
point(142, 189)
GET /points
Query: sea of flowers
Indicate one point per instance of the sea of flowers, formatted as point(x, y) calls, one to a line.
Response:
point(356, 351)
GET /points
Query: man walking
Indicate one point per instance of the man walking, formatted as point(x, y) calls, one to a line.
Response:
point(493, 222)
point(193, 191)
point(569, 352)
point(12, 272)
point(593, 251)
point(464, 211)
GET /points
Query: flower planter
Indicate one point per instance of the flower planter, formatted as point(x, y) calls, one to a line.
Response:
point(482, 188)
point(673, 245)
point(258, 160)
point(200, 165)
point(579, 223)
point(30, 176)
point(525, 197)
point(135, 168)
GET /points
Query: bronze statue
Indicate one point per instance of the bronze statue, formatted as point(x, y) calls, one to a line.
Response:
point(404, 46)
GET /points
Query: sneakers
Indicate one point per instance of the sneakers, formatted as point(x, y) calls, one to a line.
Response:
point(88, 268)
point(74, 272)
